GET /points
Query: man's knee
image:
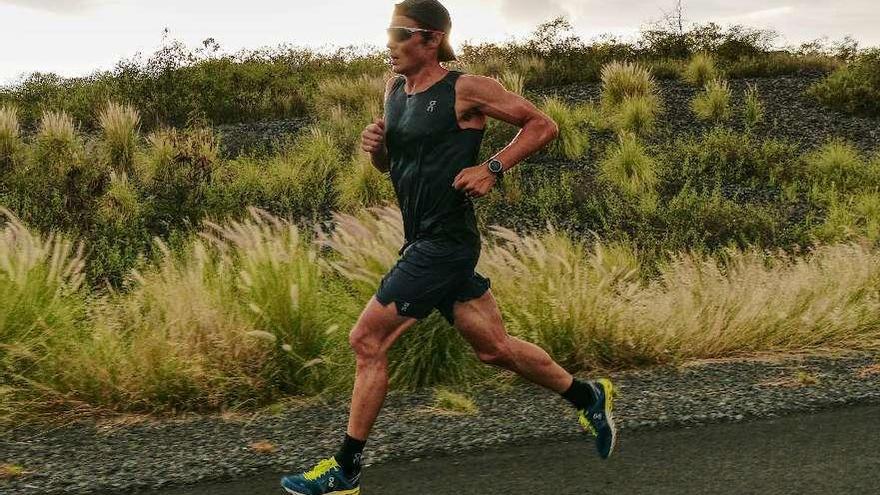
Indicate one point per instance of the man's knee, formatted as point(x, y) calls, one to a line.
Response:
point(364, 342)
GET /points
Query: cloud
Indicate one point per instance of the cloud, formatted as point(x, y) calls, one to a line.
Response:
point(531, 11)
point(59, 6)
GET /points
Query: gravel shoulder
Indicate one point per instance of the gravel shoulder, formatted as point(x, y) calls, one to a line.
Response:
point(124, 456)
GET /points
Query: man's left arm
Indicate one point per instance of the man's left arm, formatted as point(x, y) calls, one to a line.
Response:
point(488, 96)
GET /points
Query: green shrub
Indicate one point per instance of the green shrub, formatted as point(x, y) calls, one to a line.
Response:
point(725, 157)
point(851, 218)
point(636, 115)
point(573, 140)
point(838, 167)
point(625, 79)
point(628, 166)
point(10, 140)
point(352, 94)
point(709, 221)
point(700, 70)
point(512, 81)
point(753, 111)
point(363, 185)
point(713, 103)
point(120, 136)
point(853, 88)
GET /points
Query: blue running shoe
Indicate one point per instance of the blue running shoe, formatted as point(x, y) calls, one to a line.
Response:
point(597, 418)
point(325, 478)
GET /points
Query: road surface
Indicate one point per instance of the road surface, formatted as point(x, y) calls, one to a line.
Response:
point(831, 452)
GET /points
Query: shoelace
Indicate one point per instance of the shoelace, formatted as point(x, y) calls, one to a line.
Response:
point(322, 467)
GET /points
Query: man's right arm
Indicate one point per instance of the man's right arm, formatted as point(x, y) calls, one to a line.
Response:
point(373, 137)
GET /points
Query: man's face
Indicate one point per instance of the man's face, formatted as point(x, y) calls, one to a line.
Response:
point(408, 56)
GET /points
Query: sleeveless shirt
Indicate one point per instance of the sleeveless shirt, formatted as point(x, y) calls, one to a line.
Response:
point(426, 150)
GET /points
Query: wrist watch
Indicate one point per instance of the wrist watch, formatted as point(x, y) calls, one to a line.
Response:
point(496, 168)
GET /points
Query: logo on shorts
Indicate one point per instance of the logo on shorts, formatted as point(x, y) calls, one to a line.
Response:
point(431, 105)
point(404, 306)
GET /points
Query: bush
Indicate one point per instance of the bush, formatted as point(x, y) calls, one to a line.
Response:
point(851, 218)
point(723, 157)
point(573, 139)
point(714, 103)
point(625, 79)
point(120, 137)
point(837, 167)
point(700, 70)
point(854, 88)
point(10, 140)
point(363, 185)
point(629, 167)
point(753, 111)
point(636, 115)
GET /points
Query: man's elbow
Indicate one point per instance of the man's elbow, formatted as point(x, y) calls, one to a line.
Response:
point(550, 129)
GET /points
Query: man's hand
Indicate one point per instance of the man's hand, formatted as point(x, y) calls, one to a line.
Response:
point(475, 181)
point(373, 137)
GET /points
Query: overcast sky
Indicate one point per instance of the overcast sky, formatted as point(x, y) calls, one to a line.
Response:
point(76, 37)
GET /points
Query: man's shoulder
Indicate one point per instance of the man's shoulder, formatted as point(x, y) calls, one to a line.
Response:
point(474, 84)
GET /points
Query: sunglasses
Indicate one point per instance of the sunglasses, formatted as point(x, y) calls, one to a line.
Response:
point(400, 33)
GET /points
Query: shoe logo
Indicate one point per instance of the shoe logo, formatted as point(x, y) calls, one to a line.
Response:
point(357, 459)
point(597, 416)
point(431, 105)
point(404, 306)
point(330, 482)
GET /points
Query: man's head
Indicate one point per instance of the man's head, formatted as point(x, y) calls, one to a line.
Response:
point(413, 49)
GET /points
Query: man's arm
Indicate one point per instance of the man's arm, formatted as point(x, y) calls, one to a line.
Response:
point(373, 137)
point(487, 96)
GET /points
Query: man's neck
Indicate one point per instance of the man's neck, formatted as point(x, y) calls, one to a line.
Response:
point(424, 78)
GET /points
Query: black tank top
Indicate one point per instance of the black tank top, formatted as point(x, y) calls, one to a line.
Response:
point(426, 150)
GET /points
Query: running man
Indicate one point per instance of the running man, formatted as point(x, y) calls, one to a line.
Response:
point(429, 140)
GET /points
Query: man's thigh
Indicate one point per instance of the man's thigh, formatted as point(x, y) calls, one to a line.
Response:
point(479, 322)
point(380, 325)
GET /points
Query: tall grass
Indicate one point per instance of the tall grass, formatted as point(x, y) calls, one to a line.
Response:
point(700, 70)
point(713, 104)
point(625, 79)
point(120, 132)
point(573, 139)
point(42, 306)
point(838, 167)
point(629, 167)
point(636, 115)
point(753, 110)
point(851, 218)
point(363, 185)
point(10, 132)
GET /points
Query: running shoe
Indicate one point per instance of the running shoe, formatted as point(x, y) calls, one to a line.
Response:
point(323, 479)
point(597, 418)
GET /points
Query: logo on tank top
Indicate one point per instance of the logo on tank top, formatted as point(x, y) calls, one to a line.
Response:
point(431, 105)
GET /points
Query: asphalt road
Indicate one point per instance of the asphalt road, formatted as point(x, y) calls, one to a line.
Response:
point(832, 452)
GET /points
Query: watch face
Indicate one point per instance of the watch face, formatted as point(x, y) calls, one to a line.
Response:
point(494, 166)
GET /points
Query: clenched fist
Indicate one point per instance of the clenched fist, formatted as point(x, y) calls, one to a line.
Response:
point(373, 137)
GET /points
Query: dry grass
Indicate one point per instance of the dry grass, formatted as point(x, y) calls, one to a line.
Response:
point(451, 402)
point(625, 79)
point(713, 104)
point(120, 135)
point(869, 371)
point(10, 131)
point(700, 69)
point(10, 471)
point(263, 447)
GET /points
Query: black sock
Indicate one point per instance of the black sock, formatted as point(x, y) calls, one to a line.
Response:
point(580, 394)
point(349, 455)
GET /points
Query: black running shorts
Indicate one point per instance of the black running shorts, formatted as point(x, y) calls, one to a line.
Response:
point(432, 273)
